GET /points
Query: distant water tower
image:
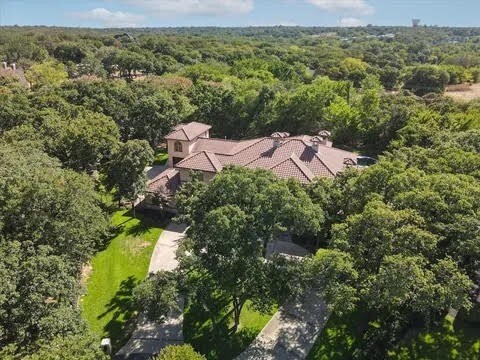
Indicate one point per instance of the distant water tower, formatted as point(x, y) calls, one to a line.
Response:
point(416, 23)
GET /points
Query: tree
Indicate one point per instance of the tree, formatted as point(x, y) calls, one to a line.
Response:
point(48, 73)
point(303, 110)
point(50, 225)
point(426, 79)
point(272, 204)
point(232, 219)
point(343, 119)
point(153, 117)
point(84, 142)
point(78, 347)
point(157, 296)
point(218, 106)
point(332, 272)
point(179, 352)
point(126, 170)
point(69, 52)
point(228, 252)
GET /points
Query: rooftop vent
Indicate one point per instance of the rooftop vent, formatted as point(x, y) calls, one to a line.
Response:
point(347, 162)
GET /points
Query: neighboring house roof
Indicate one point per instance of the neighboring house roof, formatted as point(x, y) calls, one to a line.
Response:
point(18, 73)
point(187, 132)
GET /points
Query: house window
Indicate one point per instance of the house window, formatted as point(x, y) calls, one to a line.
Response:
point(177, 147)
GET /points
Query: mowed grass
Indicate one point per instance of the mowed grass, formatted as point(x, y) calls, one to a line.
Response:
point(107, 305)
point(459, 339)
point(216, 341)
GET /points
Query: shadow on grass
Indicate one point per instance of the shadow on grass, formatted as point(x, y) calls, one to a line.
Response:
point(209, 332)
point(340, 336)
point(121, 305)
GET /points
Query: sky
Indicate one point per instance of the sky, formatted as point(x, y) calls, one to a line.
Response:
point(171, 13)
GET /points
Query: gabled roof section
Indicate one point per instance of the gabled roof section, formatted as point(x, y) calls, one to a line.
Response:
point(293, 167)
point(165, 183)
point(187, 132)
point(203, 160)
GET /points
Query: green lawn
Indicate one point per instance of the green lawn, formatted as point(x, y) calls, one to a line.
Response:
point(107, 304)
point(339, 337)
point(215, 342)
point(342, 335)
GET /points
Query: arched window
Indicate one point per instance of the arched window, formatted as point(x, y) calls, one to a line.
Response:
point(177, 146)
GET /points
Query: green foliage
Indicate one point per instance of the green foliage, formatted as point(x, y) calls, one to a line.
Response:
point(82, 143)
point(48, 73)
point(81, 347)
point(426, 79)
point(179, 352)
point(51, 224)
point(234, 217)
point(153, 117)
point(157, 296)
point(126, 169)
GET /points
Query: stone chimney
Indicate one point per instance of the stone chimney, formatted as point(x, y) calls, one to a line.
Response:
point(278, 138)
point(325, 137)
point(316, 141)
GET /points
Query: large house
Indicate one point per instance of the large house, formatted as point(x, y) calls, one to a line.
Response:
point(303, 157)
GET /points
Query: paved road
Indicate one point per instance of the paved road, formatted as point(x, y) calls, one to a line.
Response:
point(291, 332)
point(150, 337)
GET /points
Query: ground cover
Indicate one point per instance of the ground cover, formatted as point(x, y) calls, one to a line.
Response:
point(115, 271)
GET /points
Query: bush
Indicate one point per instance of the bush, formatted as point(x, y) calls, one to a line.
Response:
point(179, 352)
point(426, 79)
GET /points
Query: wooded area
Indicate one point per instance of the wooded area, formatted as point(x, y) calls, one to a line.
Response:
point(83, 112)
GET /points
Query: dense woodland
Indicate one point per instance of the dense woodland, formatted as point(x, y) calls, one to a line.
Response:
point(399, 241)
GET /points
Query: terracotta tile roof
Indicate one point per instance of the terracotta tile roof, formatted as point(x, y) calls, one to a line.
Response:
point(188, 131)
point(291, 157)
point(295, 154)
point(293, 167)
point(203, 160)
point(17, 73)
point(167, 182)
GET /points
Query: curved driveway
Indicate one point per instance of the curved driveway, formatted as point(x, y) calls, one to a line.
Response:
point(150, 337)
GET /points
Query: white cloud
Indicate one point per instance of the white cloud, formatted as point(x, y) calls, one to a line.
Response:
point(195, 7)
point(351, 6)
point(111, 18)
point(351, 22)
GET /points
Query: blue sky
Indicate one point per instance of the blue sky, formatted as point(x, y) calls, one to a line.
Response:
point(153, 13)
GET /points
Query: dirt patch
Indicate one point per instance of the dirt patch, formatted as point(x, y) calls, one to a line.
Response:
point(463, 92)
point(135, 244)
point(85, 274)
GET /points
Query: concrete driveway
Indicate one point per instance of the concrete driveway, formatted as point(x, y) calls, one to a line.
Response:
point(163, 257)
point(150, 337)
